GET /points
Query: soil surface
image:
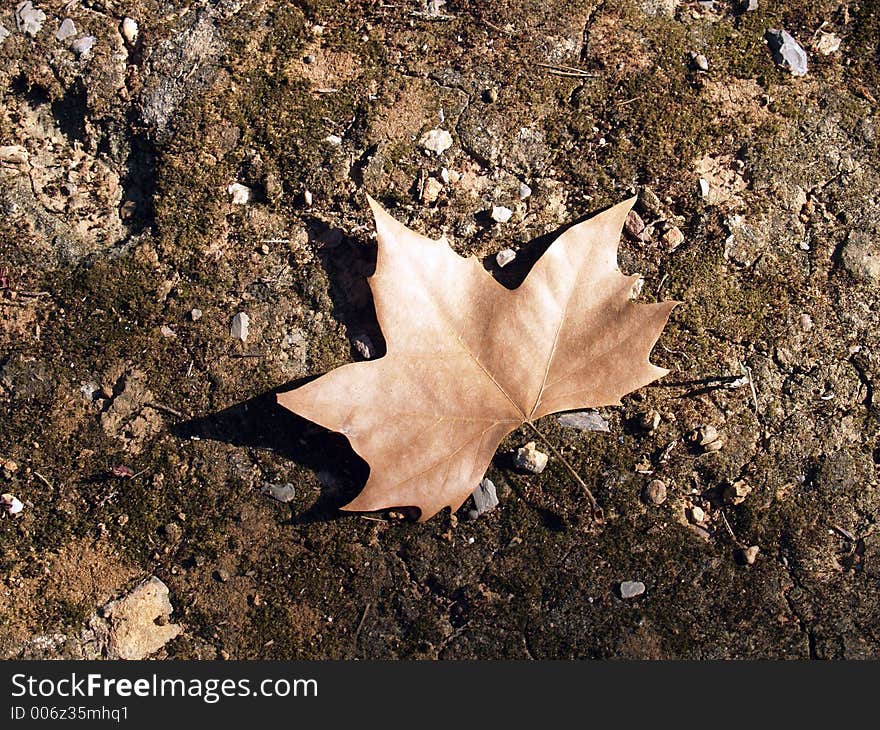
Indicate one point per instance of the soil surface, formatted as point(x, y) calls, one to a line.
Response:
point(139, 435)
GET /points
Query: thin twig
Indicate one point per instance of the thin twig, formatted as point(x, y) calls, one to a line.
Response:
point(361, 622)
point(594, 505)
point(372, 519)
point(739, 543)
point(167, 409)
point(43, 479)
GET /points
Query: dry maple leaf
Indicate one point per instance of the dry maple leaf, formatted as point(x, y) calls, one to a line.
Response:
point(468, 360)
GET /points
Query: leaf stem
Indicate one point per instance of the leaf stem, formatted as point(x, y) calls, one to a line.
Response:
point(594, 505)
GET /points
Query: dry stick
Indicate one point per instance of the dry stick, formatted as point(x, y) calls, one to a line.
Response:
point(594, 505)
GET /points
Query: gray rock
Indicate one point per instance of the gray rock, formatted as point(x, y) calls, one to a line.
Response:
point(180, 66)
point(860, 258)
point(787, 52)
point(66, 30)
point(4, 34)
point(485, 497)
point(279, 492)
point(584, 421)
point(631, 588)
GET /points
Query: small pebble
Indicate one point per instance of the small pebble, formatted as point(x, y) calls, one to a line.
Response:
point(737, 492)
point(524, 191)
point(650, 203)
point(491, 95)
point(166, 331)
point(584, 421)
point(747, 6)
point(66, 30)
point(701, 63)
point(697, 515)
point(634, 226)
point(631, 588)
point(805, 321)
point(500, 214)
point(279, 492)
point(222, 575)
point(365, 347)
point(485, 497)
point(333, 139)
point(29, 19)
point(750, 554)
point(436, 141)
point(129, 30)
point(308, 198)
point(636, 290)
point(10, 504)
point(239, 329)
point(704, 187)
point(704, 435)
point(83, 46)
point(649, 421)
point(528, 458)
point(309, 59)
point(673, 238)
point(432, 189)
point(827, 44)
point(9, 468)
point(239, 194)
point(505, 256)
point(195, 314)
point(655, 492)
point(4, 34)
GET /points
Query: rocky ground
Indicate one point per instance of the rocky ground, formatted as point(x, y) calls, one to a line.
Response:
point(138, 436)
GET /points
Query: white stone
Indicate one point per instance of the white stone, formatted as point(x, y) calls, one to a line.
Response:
point(66, 30)
point(704, 187)
point(500, 214)
point(239, 193)
point(195, 314)
point(528, 458)
point(524, 191)
point(240, 327)
point(505, 256)
point(29, 19)
point(83, 46)
point(431, 190)
point(11, 504)
point(436, 141)
point(333, 139)
point(308, 198)
point(364, 345)
point(827, 44)
point(129, 30)
point(4, 34)
point(631, 588)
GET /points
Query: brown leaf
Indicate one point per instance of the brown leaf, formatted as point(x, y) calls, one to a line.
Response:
point(469, 361)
